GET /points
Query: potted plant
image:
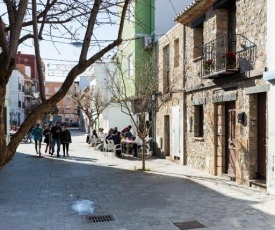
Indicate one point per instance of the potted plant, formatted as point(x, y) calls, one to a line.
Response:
point(230, 60)
point(208, 65)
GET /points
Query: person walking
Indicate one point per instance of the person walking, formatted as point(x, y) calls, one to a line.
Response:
point(66, 139)
point(56, 132)
point(37, 133)
point(47, 139)
point(29, 134)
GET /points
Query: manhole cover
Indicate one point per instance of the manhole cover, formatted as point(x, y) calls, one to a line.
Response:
point(189, 225)
point(98, 218)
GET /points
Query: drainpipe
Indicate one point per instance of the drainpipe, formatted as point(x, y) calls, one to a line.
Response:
point(184, 98)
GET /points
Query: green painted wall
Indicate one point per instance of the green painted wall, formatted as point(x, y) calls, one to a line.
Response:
point(138, 24)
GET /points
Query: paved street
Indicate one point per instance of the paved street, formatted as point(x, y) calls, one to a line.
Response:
point(42, 193)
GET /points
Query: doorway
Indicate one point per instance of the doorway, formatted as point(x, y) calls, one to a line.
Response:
point(261, 136)
point(176, 131)
point(167, 135)
point(230, 138)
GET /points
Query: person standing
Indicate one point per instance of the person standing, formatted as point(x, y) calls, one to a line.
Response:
point(37, 133)
point(47, 134)
point(56, 132)
point(66, 139)
point(126, 129)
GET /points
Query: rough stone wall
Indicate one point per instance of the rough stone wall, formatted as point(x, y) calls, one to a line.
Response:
point(251, 23)
point(198, 150)
point(176, 82)
point(207, 153)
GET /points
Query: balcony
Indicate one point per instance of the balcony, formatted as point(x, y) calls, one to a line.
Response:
point(28, 94)
point(226, 55)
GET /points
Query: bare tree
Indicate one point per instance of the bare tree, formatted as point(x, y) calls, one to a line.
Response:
point(23, 20)
point(92, 103)
point(138, 96)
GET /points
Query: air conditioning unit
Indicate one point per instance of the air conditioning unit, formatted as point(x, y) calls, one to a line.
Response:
point(148, 43)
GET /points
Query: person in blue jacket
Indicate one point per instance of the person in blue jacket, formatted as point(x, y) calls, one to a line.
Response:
point(37, 133)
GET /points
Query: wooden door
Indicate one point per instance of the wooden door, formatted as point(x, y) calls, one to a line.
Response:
point(230, 151)
point(261, 135)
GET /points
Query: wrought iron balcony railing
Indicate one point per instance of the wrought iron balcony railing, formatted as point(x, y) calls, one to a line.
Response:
point(226, 55)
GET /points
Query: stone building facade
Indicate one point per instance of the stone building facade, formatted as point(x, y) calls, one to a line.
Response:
point(169, 133)
point(224, 94)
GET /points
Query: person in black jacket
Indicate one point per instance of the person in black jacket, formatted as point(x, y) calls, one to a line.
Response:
point(56, 133)
point(47, 139)
point(65, 140)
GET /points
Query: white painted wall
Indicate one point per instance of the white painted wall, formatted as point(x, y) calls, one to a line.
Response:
point(170, 9)
point(15, 95)
point(175, 148)
point(112, 116)
point(270, 49)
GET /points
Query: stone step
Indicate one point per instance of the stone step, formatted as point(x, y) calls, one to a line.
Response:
point(259, 184)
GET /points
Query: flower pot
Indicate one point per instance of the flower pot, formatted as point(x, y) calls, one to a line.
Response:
point(206, 71)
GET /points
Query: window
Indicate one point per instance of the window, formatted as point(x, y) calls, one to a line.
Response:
point(19, 104)
point(56, 89)
point(176, 53)
point(166, 69)
point(68, 99)
point(19, 86)
point(198, 121)
point(197, 26)
point(130, 65)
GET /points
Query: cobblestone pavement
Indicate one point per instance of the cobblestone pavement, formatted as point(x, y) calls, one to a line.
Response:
point(38, 193)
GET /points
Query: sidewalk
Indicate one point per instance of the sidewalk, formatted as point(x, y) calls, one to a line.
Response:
point(50, 193)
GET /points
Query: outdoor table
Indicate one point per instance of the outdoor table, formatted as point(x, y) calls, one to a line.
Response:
point(126, 143)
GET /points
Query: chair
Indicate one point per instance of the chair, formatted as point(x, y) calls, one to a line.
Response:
point(118, 147)
point(94, 141)
point(108, 146)
point(147, 146)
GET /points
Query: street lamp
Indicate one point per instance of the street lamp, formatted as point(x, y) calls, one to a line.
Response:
point(77, 44)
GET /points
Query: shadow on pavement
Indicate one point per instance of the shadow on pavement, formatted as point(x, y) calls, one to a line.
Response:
point(32, 188)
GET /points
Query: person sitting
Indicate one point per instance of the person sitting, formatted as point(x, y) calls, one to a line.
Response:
point(94, 134)
point(128, 135)
point(101, 134)
point(94, 140)
point(115, 137)
point(109, 134)
point(136, 146)
point(117, 140)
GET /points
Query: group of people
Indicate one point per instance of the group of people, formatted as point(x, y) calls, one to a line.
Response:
point(55, 135)
point(119, 137)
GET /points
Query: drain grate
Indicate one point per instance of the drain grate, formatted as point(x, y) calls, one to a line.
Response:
point(98, 218)
point(189, 225)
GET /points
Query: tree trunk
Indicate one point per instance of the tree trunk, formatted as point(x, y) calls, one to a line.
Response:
point(143, 154)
